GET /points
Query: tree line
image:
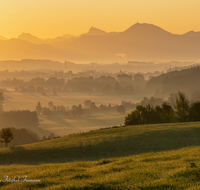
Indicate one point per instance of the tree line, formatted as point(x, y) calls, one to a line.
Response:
point(182, 111)
point(77, 110)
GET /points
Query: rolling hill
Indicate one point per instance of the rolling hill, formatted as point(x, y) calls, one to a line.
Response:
point(173, 81)
point(144, 157)
point(105, 143)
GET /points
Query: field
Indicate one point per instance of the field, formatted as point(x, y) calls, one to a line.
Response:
point(63, 126)
point(143, 157)
point(16, 100)
point(163, 156)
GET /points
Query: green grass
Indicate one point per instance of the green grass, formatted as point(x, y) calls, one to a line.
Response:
point(148, 171)
point(145, 157)
point(113, 142)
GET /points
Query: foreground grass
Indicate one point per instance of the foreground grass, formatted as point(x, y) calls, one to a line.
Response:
point(148, 171)
point(105, 143)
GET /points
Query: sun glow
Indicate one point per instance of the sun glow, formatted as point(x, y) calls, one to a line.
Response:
point(50, 18)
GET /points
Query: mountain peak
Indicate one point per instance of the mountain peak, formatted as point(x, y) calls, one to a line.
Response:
point(192, 33)
point(145, 27)
point(95, 31)
point(30, 38)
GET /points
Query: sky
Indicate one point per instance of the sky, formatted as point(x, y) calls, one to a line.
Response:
point(52, 18)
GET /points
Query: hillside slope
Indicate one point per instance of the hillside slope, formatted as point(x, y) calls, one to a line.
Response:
point(173, 81)
point(172, 170)
point(114, 142)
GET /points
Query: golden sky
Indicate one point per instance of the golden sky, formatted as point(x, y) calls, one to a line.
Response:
point(51, 18)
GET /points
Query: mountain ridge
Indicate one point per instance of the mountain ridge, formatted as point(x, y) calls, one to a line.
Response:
point(141, 41)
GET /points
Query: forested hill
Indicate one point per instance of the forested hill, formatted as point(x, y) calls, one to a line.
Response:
point(184, 80)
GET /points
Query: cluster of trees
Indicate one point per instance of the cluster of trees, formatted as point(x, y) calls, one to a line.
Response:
point(77, 111)
point(182, 111)
point(145, 101)
point(121, 84)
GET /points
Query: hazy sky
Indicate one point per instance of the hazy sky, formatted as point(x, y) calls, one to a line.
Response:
point(51, 18)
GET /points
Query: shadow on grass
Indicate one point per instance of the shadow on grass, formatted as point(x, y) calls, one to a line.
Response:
point(152, 141)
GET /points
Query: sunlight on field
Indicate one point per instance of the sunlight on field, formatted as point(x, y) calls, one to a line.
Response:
point(64, 126)
point(23, 101)
point(61, 125)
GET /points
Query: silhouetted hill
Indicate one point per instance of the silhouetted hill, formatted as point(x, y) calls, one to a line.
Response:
point(30, 38)
point(146, 30)
point(95, 31)
point(142, 42)
point(192, 34)
point(18, 49)
point(186, 80)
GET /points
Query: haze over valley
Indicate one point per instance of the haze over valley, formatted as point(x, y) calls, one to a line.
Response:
point(99, 95)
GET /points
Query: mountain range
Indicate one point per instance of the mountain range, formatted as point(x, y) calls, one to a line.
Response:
point(142, 42)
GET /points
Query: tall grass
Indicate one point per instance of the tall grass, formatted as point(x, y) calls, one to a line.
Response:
point(161, 170)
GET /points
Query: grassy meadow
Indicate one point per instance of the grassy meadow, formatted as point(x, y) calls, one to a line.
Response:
point(146, 157)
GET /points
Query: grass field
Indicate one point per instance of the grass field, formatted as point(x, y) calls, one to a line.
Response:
point(146, 157)
point(105, 143)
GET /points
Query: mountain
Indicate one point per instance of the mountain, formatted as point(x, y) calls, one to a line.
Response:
point(142, 42)
point(30, 38)
point(20, 49)
point(2, 38)
point(95, 31)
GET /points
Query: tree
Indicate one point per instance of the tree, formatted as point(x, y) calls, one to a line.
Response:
point(51, 136)
point(194, 114)
point(50, 105)
point(93, 105)
point(87, 103)
point(38, 108)
point(7, 135)
point(182, 107)
point(121, 109)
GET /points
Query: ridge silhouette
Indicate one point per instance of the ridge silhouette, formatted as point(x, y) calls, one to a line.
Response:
point(142, 42)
